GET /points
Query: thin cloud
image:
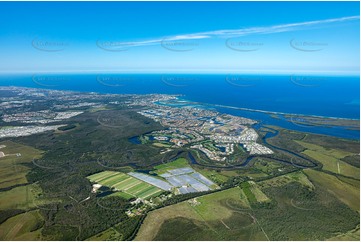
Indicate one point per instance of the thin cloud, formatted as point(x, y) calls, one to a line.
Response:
point(240, 32)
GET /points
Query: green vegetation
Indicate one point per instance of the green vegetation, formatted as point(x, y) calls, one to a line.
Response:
point(285, 179)
point(119, 231)
point(19, 198)
point(218, 177)
point(246, 187)
point(124, 195)
point(126, 184)
point(68, 127)
point(25, 226)
point(345, 192)
point(109, 234)
point(13, 168)
point(301, 214)
point(99, 143)
point(259, 195)
point(276, 200)
point(178, 163)
point(184, 229)
point(22, 197)
point(222, 215)
point(331, 159)
point(162, 145)
point(352, 235)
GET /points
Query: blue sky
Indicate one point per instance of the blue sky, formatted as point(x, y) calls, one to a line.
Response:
point(197, 37)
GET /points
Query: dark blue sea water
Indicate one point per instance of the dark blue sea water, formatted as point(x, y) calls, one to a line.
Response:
point(309, 95)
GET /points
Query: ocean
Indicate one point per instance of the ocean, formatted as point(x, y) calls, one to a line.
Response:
point(309, 95)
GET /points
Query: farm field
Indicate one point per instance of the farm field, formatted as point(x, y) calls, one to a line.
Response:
point(331, 159)
point(12, 169)
point(17, 198)
point(25, 226)
point(126, 184)
point(178, 163)
point(17, 195)
point(259, 195)
point(345, 192)
point(217, 177)
point(296, 205)
point(223, 215)
point(109, 234)
point(298, 176)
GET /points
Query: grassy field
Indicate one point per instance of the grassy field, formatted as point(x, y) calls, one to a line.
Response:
point(331, 159)
point(23, 197)
point(213, 175)
point(298, 213)
point(259, 195)
point(25, 226)
point(217, 177)
point(304, 205)
point(178, 163)
point(298, 176)
point(109, 234)
point(219, 216)
point(346, 192)
point(352, 235)
point(124, 195)
point(12, 170)
point(126, 184)
point(162, 145)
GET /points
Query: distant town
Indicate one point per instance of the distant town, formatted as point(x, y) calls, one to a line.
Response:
point(208, 131)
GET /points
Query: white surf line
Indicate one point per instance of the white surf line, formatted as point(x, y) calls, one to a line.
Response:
point(272, 112)
point(283, 113)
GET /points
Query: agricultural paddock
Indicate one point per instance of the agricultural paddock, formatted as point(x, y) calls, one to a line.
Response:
point(25, 226)
point(223, 215)
point(125, 184)
point(178, 163)
point(331, 159)
point(345, 192)
point(12, 168)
